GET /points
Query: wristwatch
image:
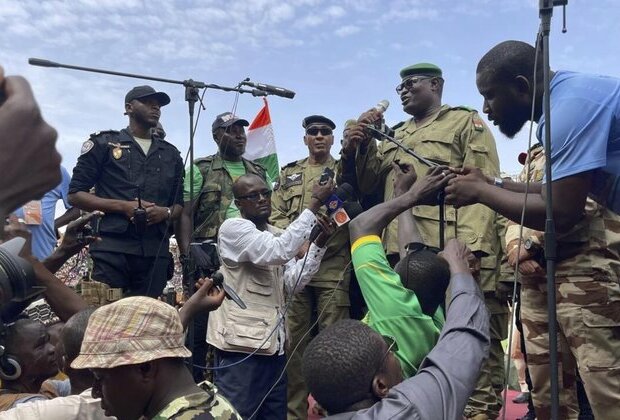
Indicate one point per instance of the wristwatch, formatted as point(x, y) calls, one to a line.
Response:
point(169, 212)
point(498, 182)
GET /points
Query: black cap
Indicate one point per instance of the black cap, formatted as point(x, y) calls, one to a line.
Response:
point(140, 92)
point(226, 120)
point(317, 119)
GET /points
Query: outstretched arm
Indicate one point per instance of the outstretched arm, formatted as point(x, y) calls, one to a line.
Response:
point(423, 192)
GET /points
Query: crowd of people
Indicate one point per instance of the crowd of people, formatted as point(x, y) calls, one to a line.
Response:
point(371, 284)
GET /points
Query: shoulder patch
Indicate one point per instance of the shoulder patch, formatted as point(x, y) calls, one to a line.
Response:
point(477, 122)
point(87, 146)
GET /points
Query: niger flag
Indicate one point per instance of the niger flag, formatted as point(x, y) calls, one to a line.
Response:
point(261, 145)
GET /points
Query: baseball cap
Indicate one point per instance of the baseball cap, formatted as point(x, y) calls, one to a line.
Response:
point(226, 120)
point(130, 331)
point(145, 91)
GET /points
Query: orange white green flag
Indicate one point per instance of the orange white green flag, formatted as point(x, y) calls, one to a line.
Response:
point(261, 145)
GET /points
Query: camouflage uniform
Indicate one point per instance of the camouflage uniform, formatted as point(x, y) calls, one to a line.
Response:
point(216, 194)
point(588, 310)
point(454, 137)
point(323, 293)
point(204, 405)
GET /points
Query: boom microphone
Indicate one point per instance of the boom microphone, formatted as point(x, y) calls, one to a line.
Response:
point(274, 90)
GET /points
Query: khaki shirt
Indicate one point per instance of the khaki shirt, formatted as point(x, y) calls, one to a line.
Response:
point(291, 196)
point(454, 137)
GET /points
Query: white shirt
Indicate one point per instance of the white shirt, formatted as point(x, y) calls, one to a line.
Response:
point(80, 407)
point(240, 241)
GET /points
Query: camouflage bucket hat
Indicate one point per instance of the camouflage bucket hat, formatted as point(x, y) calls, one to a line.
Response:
point(131, 331)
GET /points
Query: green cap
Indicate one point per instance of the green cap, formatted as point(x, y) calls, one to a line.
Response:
point(422, 69)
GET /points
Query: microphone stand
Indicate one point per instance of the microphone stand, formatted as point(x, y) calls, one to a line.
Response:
point(192, 88)
point(545, 13)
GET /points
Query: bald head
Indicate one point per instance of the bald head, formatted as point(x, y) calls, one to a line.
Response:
point(509, 59)
point(246, 181)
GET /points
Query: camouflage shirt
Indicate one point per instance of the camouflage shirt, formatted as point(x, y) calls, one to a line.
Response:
point(590, 248)
point(201, 405)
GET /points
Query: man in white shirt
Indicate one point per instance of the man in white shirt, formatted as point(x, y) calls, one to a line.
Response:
point(258, 262)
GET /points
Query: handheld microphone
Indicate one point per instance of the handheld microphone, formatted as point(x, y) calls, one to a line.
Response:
point(336, 206)
point(274, 90)
point(218, 281)
point(382, 106)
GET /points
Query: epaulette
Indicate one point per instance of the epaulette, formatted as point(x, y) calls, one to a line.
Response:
point(290, 164)
point(464, 108)
point(101, 133)
point(397, 126)
point(204, 159)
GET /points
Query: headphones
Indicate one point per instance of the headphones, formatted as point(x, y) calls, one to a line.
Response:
point(10, 369)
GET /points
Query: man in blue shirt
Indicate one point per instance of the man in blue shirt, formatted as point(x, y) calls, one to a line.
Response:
point(585, 156)
point(39, 215)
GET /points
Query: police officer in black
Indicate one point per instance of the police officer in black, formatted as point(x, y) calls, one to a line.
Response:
point(124, 166)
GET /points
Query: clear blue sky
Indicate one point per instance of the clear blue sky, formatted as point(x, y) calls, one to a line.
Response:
point(341, 56)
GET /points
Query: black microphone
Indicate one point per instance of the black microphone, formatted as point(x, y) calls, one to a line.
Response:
point(42, 63)
point(274, 90)
point(336, 206)
point(218, 281)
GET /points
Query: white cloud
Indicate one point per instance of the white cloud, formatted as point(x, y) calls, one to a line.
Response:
point(347, 30)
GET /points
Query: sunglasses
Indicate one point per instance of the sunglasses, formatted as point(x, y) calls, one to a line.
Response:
point(256, 196)
point(414, 247)
point(314, 131)
point(410, 82)
point(392, 346)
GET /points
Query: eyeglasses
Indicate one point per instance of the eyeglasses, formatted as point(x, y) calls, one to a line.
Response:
point(414, 247)
point(409, 82)
point(314, 131)
point(256, 196)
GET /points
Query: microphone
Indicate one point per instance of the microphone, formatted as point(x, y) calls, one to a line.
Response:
point(382, 106)
point(218, 281)
point(273, 90)
point(336, 206)
point(42, 63)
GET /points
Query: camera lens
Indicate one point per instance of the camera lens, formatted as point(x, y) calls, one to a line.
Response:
point(17, 279)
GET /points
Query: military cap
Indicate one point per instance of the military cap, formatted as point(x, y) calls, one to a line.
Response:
point(317, 119)
point(141, 92)
point(131, 331)
point(421, 69)
point(226, 120)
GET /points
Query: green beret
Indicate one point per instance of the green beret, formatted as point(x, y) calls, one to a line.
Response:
point(421, 69)
point(317, 119)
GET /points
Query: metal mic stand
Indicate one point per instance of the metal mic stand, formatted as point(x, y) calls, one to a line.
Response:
point(546, 11)
point(430, 164)
point(192, 88)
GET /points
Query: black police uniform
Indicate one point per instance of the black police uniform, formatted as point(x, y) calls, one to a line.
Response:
point(115, 164)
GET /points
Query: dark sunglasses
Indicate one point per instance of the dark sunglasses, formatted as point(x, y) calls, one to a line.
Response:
point(408, 83)
point(414, 247)
point(314, 131)
point(391, 346)
point(256, 196)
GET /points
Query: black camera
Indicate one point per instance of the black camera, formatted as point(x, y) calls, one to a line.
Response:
point(17, 280)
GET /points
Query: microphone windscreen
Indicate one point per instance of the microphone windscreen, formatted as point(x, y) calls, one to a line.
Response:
point(345, 192)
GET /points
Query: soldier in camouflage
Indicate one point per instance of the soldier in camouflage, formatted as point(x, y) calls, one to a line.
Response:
point(327, 294)
point(453, 136)
point(599, 250)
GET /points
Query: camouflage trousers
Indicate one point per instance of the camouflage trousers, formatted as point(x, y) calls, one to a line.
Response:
point(588, 317)
point(299, 319)
point(486, 400)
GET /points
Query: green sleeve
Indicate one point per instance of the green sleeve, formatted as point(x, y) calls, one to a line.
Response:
point(198, 179)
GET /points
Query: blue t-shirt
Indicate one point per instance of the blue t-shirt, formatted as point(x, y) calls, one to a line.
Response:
point(585, 131)
point(44, 235)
